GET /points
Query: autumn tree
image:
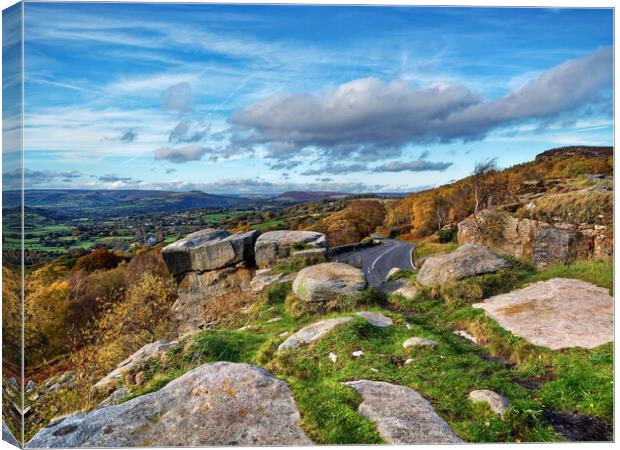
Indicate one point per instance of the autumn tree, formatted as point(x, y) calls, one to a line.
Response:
point(99, 259)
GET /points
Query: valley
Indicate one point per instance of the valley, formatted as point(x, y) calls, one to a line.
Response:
point(335, 302)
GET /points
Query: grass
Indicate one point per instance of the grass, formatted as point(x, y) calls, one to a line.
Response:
point(570, 380)
point(426, 248)
point(584, 206)
point(598, 272)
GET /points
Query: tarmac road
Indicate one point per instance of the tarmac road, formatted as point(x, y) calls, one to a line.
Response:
point(377, 261)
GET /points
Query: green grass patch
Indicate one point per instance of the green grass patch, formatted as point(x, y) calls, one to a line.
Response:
point(570, 380)
point(426, 248)
point(598, 272)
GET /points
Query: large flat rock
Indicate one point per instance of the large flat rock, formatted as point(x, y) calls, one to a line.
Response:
point(558, 313)
point(402, 415)
point(276, 246)
point(209, 249)
point(216, 404)
point(312, 332)
point(466, 261)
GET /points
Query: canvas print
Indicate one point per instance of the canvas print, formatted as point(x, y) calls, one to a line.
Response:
point(230, 225)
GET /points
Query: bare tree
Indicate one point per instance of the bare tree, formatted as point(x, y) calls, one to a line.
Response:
point(442, 209)
point(482, 170)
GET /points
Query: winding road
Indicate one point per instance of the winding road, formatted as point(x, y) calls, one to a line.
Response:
point(377, 261)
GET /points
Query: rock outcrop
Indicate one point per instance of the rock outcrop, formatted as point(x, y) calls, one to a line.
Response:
point(558, 313)
point(275, 247)
point(216, 404)
point(153, 350)
point(325, 282)
point(466, 261)
point(539, 241)
point(402, 415)
point(209, 249)
point(263, 278)
point(199, 291)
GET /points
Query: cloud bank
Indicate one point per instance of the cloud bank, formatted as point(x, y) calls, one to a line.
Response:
point(368, 119)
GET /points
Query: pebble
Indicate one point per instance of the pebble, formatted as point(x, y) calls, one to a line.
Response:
point(333, 357)
point(357, 354)
point(419, 342)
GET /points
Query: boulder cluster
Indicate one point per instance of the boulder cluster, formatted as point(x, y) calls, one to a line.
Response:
point(224, 403)
point(542, 242)
point(214, 266)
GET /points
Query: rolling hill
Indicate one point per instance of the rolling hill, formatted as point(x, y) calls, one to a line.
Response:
point(118, 202)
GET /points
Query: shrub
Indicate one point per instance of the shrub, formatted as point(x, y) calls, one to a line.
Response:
point(445, 235)
point(277, 292)
point(149, 261)
point(99, 259)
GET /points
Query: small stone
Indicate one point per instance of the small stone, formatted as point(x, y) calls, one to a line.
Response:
point(357, 354)
point(114, 397)
point(419, 342)
point(393, 271)
point(333, 357)
point(408, 361)
point(140, 378)
point(497, 403)
point(376, 319)
point(128, 378)
point(465, 335)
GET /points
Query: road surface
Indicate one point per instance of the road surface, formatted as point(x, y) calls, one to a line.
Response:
point(377, 261)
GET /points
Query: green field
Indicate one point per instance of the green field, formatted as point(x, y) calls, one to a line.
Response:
point(221, 217)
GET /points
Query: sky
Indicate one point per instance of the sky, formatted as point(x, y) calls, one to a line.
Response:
point(263, 99)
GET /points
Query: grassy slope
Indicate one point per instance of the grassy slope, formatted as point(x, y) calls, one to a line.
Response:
point(573, 380)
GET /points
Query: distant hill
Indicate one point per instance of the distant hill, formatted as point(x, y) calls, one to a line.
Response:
point(118, 202)
point(307, 196)
point(576, 150)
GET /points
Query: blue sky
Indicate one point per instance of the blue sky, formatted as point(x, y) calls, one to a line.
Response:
point(238, 99)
